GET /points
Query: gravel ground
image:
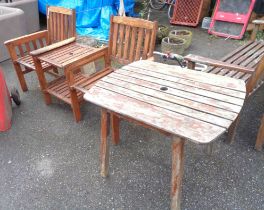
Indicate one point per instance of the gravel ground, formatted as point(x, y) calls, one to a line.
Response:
point(48, 161)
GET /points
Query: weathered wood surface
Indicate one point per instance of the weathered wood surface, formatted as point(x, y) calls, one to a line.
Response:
point(69, 56)
point(177, 146)
point(52, 46)
point(60, 24)
point(237, 64)
point(200, 110)
point(131, 39)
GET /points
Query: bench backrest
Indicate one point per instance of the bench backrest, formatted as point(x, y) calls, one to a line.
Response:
point(131, 39)
point(60, 23)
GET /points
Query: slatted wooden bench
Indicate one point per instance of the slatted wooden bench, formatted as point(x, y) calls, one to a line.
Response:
point(246, 63)
point(61, 25)
point(131, 39)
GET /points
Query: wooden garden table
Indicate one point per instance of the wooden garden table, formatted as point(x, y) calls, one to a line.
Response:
point(182, 103)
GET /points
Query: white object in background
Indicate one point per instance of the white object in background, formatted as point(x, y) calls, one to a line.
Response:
point(121, 11)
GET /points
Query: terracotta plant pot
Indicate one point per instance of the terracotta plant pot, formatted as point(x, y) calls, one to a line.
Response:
point(163, 31)
point(184, 34)
point(173, 45)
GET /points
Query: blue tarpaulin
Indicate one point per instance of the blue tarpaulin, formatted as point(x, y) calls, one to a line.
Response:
point(92, 16)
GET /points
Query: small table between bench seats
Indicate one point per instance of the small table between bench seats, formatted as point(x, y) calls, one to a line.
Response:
point(69, 57)
point(185, 104)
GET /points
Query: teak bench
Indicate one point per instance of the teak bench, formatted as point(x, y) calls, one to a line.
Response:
point(246, 63)
point(61, 25)
point(131, 39)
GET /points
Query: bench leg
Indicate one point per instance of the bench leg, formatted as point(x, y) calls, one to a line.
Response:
point(21, 77)
point(42, 81)
point(177, 172)
point(75, 105)
point(260, 137)
point(254, 32)
point(115, 121)
point(232, 130)
point(104, 147)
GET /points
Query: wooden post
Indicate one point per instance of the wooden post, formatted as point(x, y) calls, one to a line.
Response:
point(42, 80)
point(75, 104)
point(254, 32)
point(260, 137)
point(21, 77)
point(232, 130)
point(104, 148)
point(115, 129)
point(177, 172)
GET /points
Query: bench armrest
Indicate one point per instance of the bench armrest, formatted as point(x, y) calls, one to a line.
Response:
point(52, 46)
point(27, 38)
point(211, 62)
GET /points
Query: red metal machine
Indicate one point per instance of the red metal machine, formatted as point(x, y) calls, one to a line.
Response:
point(231, 17)
point(5, 103)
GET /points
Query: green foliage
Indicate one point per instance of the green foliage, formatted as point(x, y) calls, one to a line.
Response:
point(142, 8)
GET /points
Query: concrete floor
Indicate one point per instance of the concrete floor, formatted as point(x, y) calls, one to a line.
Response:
point(47, 161)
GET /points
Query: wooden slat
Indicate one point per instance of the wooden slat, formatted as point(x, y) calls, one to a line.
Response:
point(53, 46)
point(41, 43)
point(169, 94)
point(114, 46)
point(251, 61)
point(34, 43)
point(21, 51)
point(133, 72)
point(206, 117)
point(242, 61)
point(127, 36)
point(199, 132)
point(63, 10)
point(216, 80)
point(120, 41)
point(146, 44)
point(63, 35)
point(208, 61)
point(139, 43)
point(134, 22)
point(138, 78)
point(28, 62)
point(56, 53)
point(27, 47)
point(82, 85)
point(132, 46)
point(232, 56)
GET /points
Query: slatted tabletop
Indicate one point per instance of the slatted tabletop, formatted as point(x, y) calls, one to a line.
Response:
point(68, 54)
point(193, 105)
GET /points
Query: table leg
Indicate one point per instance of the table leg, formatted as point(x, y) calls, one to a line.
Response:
point(75, 105)
point(177, 172)
point(115, 129)
point(104, 148)
point(232, 130)
point(42, 80)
